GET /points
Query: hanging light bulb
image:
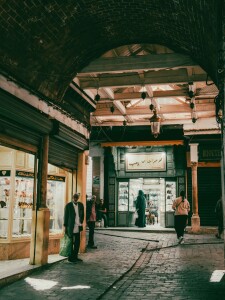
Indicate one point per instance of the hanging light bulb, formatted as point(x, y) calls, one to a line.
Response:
point(97, 97)
point(151, 106)
point(112, 109)
point(155, 123)
point(191, 91)
point(143, 95)
point(191, 94)
point(192, 104)
point(220, 113)
point(194, 116)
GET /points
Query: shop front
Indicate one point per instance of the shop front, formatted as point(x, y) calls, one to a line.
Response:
point(158, 171)
point(41, 161)
point(159, 194)
point(18, 184)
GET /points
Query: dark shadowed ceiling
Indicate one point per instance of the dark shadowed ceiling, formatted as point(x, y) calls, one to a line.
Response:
point(48, 46)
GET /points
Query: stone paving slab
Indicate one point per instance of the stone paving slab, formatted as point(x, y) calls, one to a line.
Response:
point(12, 270)
point(130, 266)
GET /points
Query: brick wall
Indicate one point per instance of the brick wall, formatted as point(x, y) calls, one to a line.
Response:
point(44, 44)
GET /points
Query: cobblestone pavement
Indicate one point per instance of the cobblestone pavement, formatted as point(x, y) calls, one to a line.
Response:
point(132, 265)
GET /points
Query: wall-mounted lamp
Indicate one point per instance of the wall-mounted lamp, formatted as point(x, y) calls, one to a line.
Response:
point(155, 123)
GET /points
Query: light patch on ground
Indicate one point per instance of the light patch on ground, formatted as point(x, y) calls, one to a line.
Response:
point(76, 287)
point(217, 275)
point(40, 284)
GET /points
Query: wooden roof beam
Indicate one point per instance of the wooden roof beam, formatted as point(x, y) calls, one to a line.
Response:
point(152, 78)
point(165, 109)
point(138, 63)
point(182, 121)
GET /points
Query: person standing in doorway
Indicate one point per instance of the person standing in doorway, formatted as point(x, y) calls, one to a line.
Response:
point(219, 216)
point(101, 213)
point(91, 211)
point(140, 207)
point(182, 208)
point(73, 220)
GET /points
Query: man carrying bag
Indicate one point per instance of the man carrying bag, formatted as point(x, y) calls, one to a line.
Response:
point(73, 220)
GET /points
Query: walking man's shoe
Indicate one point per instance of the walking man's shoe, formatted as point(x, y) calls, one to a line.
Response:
point(181, 240)
point(92, 246)
point(78, 259)
point(218, 236)
point(73, 261)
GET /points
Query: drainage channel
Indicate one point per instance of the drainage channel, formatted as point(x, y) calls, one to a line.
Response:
point(115, 290)
point(119, 286)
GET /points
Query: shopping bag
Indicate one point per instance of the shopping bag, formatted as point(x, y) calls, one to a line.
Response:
point(65, 246)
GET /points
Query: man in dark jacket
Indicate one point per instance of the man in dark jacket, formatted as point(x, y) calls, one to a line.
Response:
point(73, 220)
point(101, 213)
point(91, 219)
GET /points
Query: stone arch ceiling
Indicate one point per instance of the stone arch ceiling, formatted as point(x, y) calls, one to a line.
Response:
point(45, 43)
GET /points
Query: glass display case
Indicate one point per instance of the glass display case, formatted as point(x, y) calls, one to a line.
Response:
point(23, 203)
point(123, 196)
point(55, 202)
point(134, 186)
point(5, 187)
point(170, 196)
point(154, 190)
point(23, 186)
point(17, 188)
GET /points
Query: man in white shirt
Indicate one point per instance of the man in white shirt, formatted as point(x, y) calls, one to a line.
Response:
point(73, 220)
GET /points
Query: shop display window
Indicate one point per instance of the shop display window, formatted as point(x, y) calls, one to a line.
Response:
point(5, 187)
point(55, 202)
point(134, 186)
point(23, 204)
point(17, 194)
point(170, 194)
point(154, 190)
point(123, 196)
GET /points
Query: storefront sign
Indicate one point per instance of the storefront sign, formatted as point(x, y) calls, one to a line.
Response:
point(56, 178)
point(209, 154)
point(31, 175)
point(155, 161)
point(24, 174)
point(5, 172)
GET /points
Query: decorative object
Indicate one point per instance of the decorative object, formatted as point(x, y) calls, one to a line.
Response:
point(155, 123)
point(97, 97)
point(155, 161)
point(143, 95)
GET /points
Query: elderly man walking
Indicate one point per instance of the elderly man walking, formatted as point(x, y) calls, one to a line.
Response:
point(73, 220)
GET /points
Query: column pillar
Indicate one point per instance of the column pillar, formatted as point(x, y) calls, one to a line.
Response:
point(195, 220)
point(41, 216)
point(81, 188)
